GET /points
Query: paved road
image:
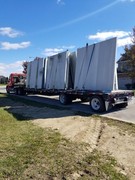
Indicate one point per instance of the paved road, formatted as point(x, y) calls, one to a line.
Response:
point(127, 114)
point(2, 89)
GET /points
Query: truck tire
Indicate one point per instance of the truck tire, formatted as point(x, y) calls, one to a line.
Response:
point(8, 90)
point(16, 91)
point(20, 91)
point(65, 99)
point(97, 104)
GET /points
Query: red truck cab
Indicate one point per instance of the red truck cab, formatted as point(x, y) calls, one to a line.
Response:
point(14, 78)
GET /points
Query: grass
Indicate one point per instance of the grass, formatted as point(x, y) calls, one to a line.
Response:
point(123, 126)
point(2, 84)
point(30, 152)
point(99, 166)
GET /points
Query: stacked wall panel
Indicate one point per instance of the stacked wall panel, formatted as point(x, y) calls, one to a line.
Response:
point(95, 66)
point(57, 71)
point(91, 68)
point(35, 73)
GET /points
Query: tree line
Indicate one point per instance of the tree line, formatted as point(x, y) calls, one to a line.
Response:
point(129, 57)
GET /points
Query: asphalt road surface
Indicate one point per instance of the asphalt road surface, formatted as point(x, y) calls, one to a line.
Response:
point(126, 114)
point(2, 89)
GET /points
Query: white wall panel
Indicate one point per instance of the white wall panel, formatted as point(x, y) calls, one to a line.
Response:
point(39, 78)
point(32, 70)
point(57, 71)
point(35, 73)
point(95, 66)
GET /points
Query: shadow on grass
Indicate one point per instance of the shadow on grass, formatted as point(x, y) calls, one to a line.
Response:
point(36, 107)
point(26, 109)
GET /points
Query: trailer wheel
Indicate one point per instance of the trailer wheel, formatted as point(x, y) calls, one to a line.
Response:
point(97, 104)
point(8, 90)
point(20, 91)
point(16, 91)
point(65, 99)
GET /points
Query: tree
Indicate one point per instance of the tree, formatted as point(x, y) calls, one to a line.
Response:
point(129, 56)
point(25, 65)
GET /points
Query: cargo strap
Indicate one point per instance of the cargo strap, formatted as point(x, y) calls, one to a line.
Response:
point(89, 64)
point(37, 73)
point(82, 65)
point(44, 75)
point(71, 77)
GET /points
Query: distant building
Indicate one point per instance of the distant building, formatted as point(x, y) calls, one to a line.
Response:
point(3, 79)
point(124, 81)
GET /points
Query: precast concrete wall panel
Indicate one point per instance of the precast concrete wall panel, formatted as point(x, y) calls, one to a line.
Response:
point(40, 75)
point(95, 66)
point(57, 71)
point(35, 73)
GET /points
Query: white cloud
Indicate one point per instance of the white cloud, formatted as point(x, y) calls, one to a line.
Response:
point(123, 37)
point(68, 47)
point(61, 2)
point(124, 41)
point(108, 34)
point(14, 46)
point(6, 69)
point(10, 32)
point(53, 51)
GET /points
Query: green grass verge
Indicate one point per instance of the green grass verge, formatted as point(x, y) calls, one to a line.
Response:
point(3, 84)
point(30, 152)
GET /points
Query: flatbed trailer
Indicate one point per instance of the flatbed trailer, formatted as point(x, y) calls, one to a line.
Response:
point(88, 74)
point(99, 101)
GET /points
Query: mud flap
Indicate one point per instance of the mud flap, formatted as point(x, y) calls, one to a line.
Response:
point(107, 104)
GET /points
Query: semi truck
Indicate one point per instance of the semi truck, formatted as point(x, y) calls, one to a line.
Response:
point(88, 74)
point(15, 79)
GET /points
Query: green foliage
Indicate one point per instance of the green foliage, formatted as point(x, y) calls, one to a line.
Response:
point(129, 56)
point(24, 65)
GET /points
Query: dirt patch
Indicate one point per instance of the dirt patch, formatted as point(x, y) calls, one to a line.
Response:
point(120, 145)
point(94, 131)
point(71, 126)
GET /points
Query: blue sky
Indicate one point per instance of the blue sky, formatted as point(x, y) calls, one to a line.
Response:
point(39, 28)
